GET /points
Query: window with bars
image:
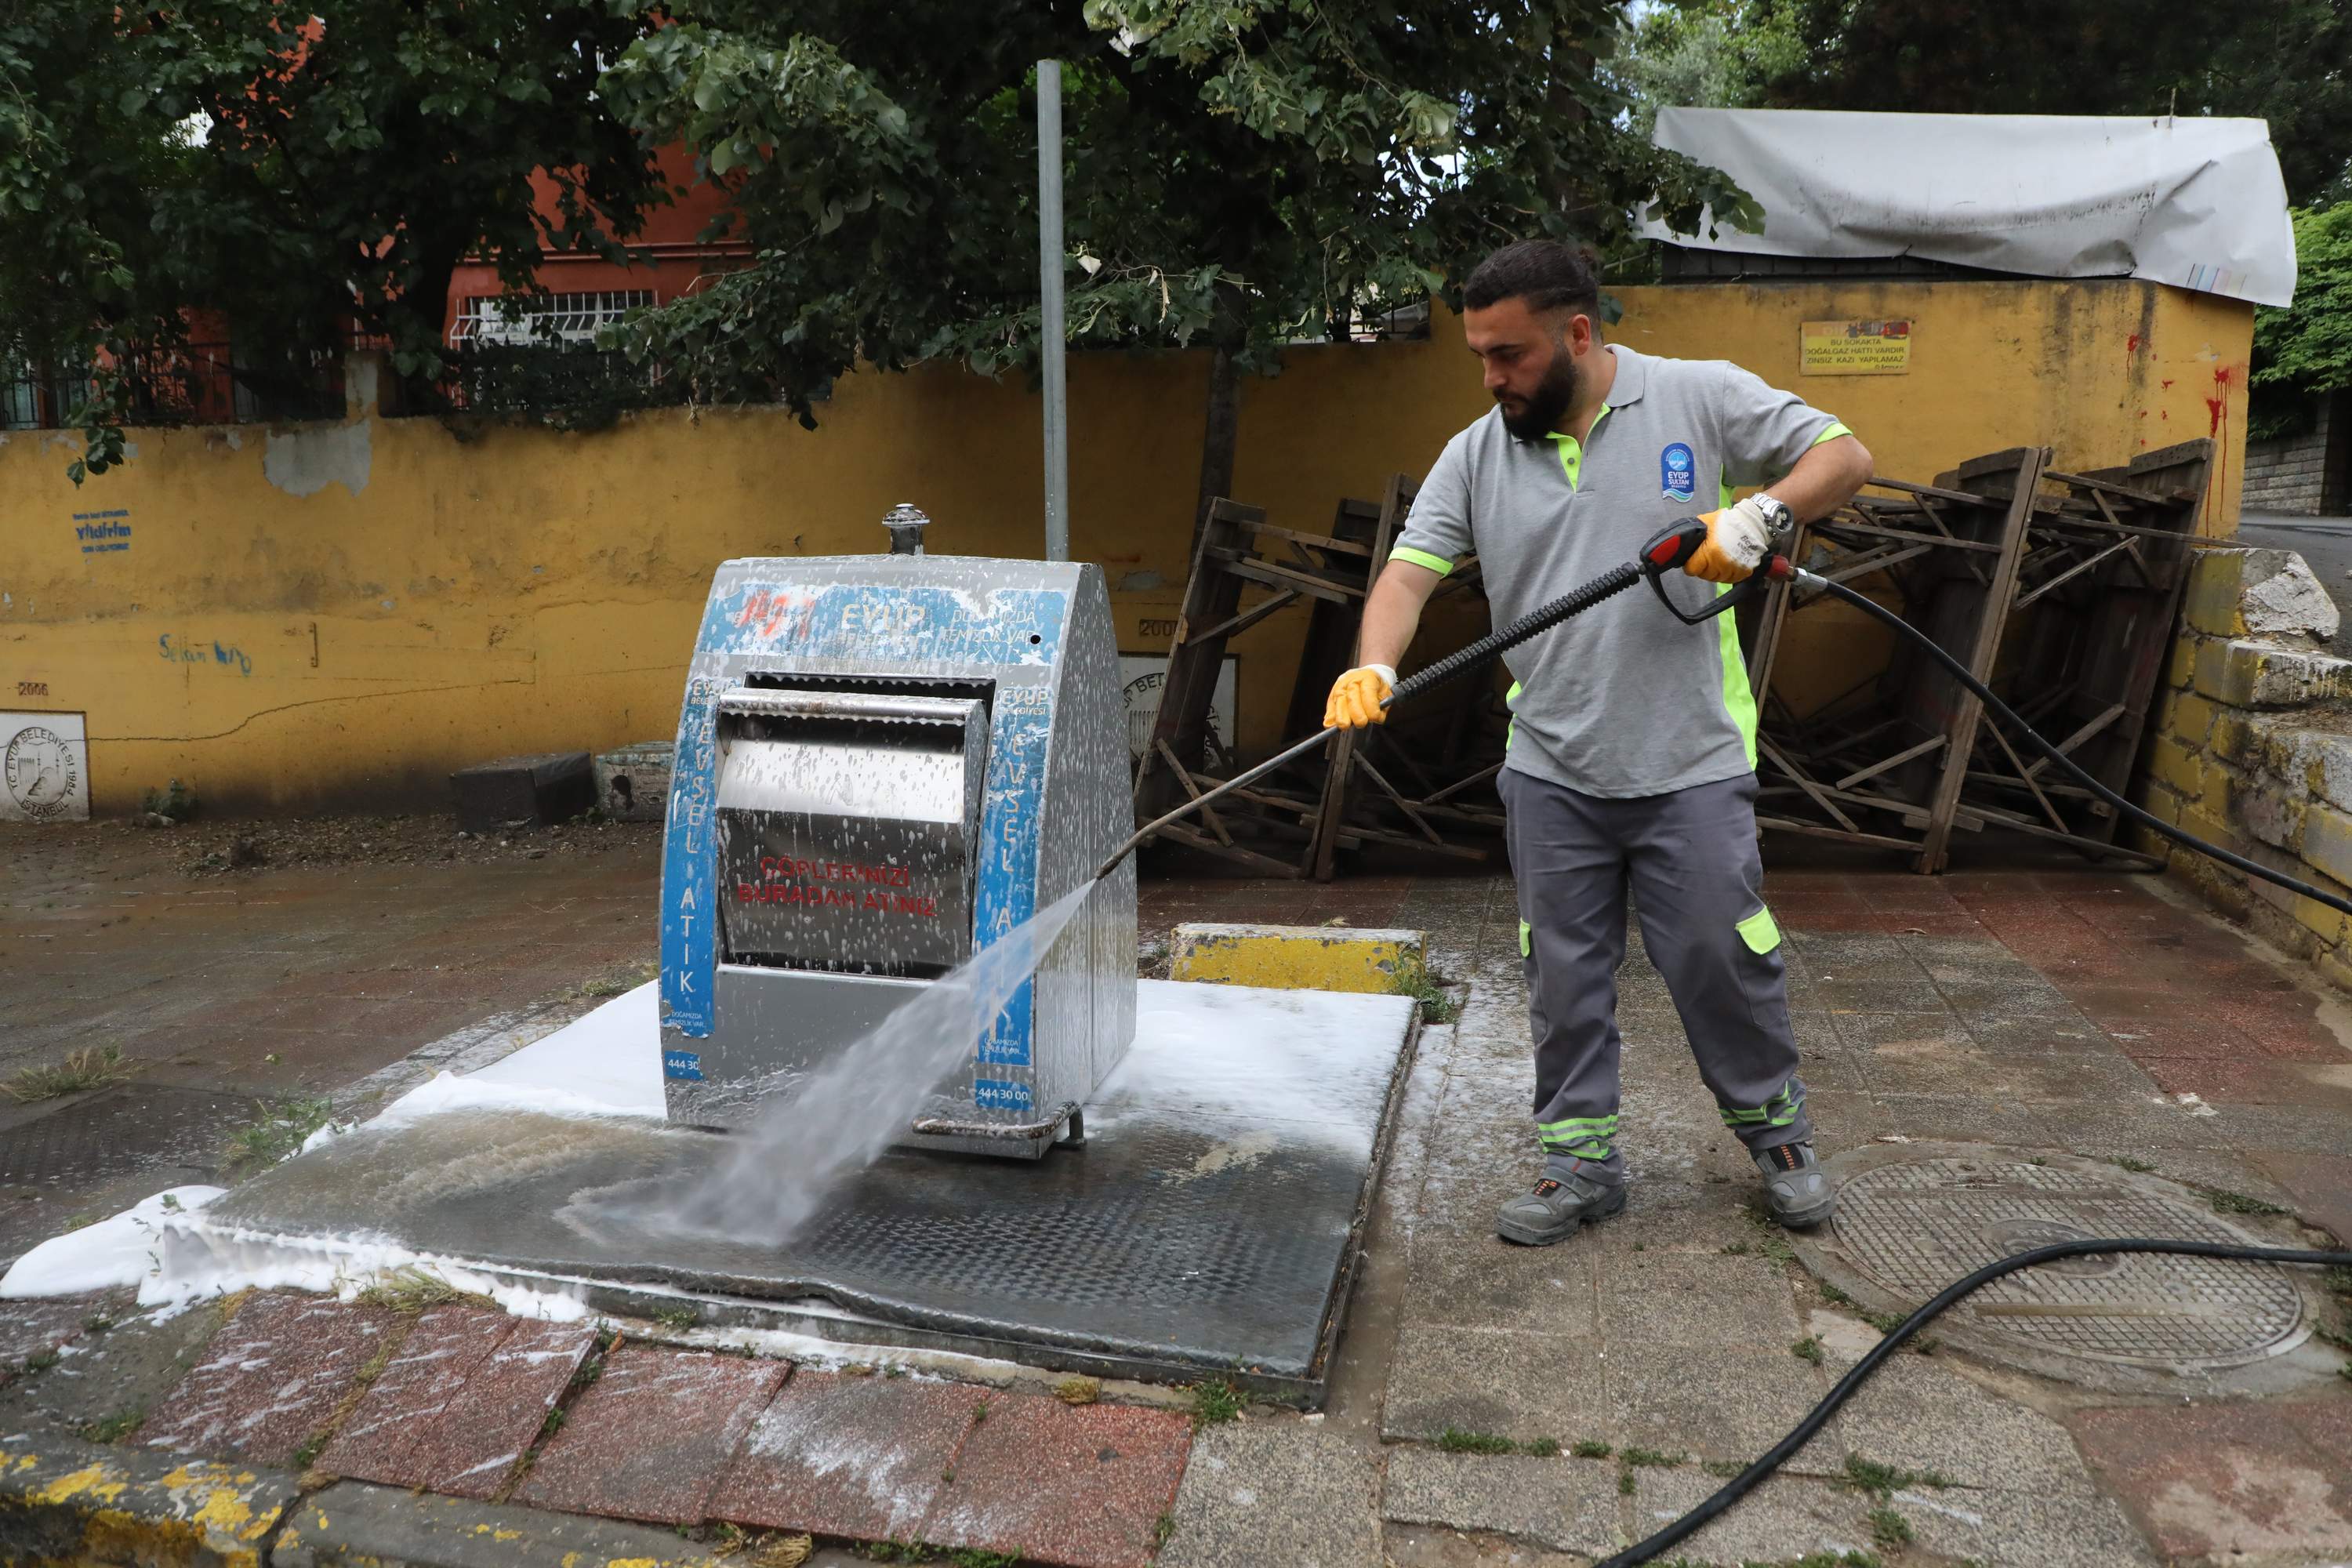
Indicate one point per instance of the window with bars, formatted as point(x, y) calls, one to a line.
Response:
point(558, 318)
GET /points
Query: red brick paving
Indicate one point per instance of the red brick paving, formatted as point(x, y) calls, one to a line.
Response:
point(2218, 1480)
point(446, 1346)
point(651, 1438)
point(271, 1380)
point(860, 1457)
point(469, 1450)
point(1084, 1487)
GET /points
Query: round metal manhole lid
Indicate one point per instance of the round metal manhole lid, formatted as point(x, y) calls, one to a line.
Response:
point(1912, 1227)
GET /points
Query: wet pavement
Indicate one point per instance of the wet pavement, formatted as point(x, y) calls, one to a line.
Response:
point(2041, 1012)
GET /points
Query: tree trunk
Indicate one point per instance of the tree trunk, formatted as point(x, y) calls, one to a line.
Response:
point(1217, 441)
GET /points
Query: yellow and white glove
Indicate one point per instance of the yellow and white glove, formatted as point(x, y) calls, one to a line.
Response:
point(1739, 538)
point(1355, 698)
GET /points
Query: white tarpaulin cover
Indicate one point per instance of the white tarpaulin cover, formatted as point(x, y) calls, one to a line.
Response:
point(2192, 202)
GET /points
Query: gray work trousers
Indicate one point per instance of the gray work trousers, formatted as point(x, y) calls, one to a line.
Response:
point(1690, 860)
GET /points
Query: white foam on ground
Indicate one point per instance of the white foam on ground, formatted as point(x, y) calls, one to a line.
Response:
point(124, 1250)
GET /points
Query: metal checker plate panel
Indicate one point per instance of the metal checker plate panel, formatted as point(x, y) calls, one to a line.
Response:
point(1914, 1228)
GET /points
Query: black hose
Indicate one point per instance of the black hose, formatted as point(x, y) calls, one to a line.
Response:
point(1741, 1484)
point(1746, 1480)
point(2149, 820)
point(1462, 661)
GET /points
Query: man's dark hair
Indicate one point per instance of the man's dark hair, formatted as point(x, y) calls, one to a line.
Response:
point(1547, 275)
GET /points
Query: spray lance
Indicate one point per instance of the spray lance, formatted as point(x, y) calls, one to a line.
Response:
point(1666, 553)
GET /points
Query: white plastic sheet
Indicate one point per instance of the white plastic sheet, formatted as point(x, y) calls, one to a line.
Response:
point(2196, 202)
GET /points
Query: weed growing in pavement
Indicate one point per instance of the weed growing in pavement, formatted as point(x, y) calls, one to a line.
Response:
point(1722, 1469)
point(90, 1067)
point(979, 1411)
point(615, 981)
point(113, 1428)
point(1453, 1440)
point(675, 1317)
point(1639, 1458)
point(1882, 1482)
point(1413, 979)
point(2224, 1201)
point(1770, 1240)
point(411, 1291)
point(893, 1371)
point(1215, 1401)
point(1161, 1528)
point(308, 1454)
point(1889, 1529)
point(1078, 1390)
point(1589, 1450)
point(1807, 1349)
point(2136, 1167)
point(1737, 1249)
point(279, 1128)
point(1811, 1560)
point(97, 1323)
point(175, 800)
point(41, 1361)
point(1625, 1483)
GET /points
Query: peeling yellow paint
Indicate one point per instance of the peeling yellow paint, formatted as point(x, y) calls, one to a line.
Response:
point(1292, 958)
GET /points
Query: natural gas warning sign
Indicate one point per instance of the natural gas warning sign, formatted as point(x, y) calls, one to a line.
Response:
point(1854, 348)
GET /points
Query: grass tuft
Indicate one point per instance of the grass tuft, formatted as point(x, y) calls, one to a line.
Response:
point(278, 1127)
point(2224, 1201)
point(1078, 1390)
point(2136, 1167)
point(1413, 979)
point(1808, 1349)
point(675, 1317)
point(1216, 1403)
point(90, 1067)
point(1453, 1440)
point(113, 1428)
point(1653, 1457)
point(1882, 1482)
point(1889, 1529)
point(411, 1291)
point(1589, 1450)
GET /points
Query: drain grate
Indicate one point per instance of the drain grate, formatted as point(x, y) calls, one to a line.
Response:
point(1912, 1228)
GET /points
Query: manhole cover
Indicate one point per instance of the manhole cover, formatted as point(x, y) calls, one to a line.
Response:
point(1914, 1228)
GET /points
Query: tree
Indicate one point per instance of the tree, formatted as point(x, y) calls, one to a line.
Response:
point(1703, 54)
point(307, 181)
point(1239, 174)
point(2305, 349)
point(2285, 61)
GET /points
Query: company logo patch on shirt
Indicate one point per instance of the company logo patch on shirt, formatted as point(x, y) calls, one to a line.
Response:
point(1677, 477)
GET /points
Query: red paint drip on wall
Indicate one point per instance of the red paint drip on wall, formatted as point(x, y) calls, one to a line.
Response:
point(2131, 344)
point(2166, 383)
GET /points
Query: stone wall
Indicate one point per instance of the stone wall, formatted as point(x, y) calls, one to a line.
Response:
point(2293, 475)
point(2253, 750)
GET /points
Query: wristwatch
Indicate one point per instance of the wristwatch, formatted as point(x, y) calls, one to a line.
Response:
point(1778, 517)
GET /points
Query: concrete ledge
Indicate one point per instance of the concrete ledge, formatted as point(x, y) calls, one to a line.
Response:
point(1295, 958)
point(65, 1500)
point(353, 1526)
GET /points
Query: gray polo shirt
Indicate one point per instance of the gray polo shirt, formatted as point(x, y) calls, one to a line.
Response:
point(1624, 699)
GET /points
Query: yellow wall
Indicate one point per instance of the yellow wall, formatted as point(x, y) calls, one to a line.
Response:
point(354, 610)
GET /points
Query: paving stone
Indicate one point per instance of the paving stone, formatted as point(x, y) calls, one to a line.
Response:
point(2225, 1478)
point(1676, 1299)
point(1083, 1485)
point(471, 1449)
point(1567, 1504)
point(350, 1525)
point(1784, 1519)
point(2063, 1530)
point(1505, 1385)
point(34, 1329)
point(443, 1348)
point(1918, 1414)
point(1265, 1491)
point(1485, 1282)
point(2320, 1185)
point(1965, 1118)
point(651, 1438)
point(2003, 1034)
point(1724, 1402)
point(272, 1377)
point(856, 1457)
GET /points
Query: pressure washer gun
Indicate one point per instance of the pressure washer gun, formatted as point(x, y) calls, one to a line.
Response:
point(1666, 553)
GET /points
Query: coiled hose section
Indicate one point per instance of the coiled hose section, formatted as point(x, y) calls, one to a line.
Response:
point(1802, 1433)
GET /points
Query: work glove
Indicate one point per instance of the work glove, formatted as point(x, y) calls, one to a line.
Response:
point(1355, 698)
point(1739, 538)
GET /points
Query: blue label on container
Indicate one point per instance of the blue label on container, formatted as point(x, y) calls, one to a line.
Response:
point(1677, 477)
point(992, 1094)
point(682, 1064)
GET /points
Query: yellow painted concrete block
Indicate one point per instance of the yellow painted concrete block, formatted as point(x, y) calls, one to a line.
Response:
point(2182, 669)
point(1295, 958)
point(2178, 767)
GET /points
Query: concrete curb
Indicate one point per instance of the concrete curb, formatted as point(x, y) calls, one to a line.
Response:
point(1295, 958)
point(353, 1525)
point(65, 1500)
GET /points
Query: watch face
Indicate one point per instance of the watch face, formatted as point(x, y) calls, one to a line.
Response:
point(39, 773)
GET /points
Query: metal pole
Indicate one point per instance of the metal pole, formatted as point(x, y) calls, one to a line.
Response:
point(1049, 282)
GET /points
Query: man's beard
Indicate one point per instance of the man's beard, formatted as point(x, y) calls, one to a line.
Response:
point(1549, 402)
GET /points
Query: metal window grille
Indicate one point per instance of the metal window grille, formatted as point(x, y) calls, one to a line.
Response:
point(575, 318)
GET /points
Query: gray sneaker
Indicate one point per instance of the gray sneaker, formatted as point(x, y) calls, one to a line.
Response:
point(1554, 1208)
point(1795, 1187)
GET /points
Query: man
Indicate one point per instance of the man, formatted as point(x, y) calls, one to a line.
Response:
point(1631, 761)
